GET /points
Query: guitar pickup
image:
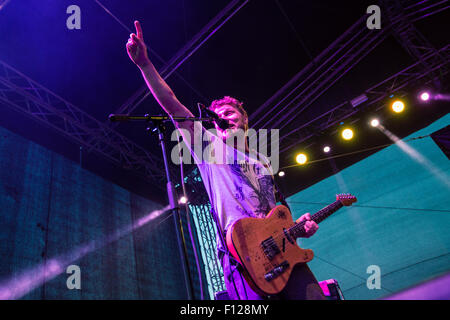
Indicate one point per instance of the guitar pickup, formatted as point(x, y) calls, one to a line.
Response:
point(275, 272)
point(270, 248)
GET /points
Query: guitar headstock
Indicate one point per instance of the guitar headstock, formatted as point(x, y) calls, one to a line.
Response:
point(346, 199)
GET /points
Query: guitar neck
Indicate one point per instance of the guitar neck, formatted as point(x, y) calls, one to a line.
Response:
point(298, 229)
point(321, 215)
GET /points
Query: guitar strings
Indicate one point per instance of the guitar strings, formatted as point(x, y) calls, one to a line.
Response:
point(376, 207)
point(299, 227)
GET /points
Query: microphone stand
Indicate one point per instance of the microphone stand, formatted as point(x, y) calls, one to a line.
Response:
point(159, 128)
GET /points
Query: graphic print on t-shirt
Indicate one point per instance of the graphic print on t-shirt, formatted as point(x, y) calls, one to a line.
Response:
point(253, 186)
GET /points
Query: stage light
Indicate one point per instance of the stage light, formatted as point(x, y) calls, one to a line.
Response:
point(301, 158)
point(281, 173)
point(3, 3)
point(183, 200)
point(347, 134)
point(326, 149)
point(374, 122)
point(398, 106)
point(424, 96)
point(441, 96)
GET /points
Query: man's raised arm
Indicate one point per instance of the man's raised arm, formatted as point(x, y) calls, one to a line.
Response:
point(137, 51)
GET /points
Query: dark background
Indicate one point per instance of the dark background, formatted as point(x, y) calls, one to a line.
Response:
point(250, 57)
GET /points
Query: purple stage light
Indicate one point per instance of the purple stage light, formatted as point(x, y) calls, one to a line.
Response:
point(425, 96)
point(442, 96)
point(3, 3)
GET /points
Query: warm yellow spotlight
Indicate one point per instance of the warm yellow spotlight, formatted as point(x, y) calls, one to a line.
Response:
point(347, 134)
point(398, 106)
point(301, 158)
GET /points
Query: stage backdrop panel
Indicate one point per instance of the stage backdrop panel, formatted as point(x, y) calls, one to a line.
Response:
point(24, 205)
point(53, 213)
point(400, 222)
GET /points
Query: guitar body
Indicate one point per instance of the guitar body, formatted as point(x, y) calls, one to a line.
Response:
point(261, 245)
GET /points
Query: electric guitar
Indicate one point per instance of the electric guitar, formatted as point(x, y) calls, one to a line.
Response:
point(267, 247)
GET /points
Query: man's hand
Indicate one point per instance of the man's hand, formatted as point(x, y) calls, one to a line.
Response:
point(137, 50)
point(136, 47)
point(310, 226)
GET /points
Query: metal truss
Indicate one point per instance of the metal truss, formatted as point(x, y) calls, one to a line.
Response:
point(22, 94)
point(407, 34)
point(184, 53)
point(205, 229)
point(34, 100)
point(315, 79)
point(408, 77)
point(27, 96)
point(319, 75)
point(200, 207)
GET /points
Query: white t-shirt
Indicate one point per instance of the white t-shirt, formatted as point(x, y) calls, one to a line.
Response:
point(241, 185)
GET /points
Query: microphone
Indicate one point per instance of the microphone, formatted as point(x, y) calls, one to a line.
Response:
point(221, 123)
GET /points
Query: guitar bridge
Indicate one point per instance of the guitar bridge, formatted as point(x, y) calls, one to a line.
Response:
point(275, 272)
point(270, 248)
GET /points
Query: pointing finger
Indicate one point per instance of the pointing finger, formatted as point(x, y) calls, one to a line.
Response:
point(140, 35)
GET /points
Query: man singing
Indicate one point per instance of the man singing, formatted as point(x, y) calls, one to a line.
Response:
point(236, 189)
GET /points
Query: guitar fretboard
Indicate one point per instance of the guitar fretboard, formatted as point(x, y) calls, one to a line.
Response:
point(298, 230)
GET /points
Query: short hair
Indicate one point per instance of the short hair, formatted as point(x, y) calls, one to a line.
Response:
point(230, 101)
